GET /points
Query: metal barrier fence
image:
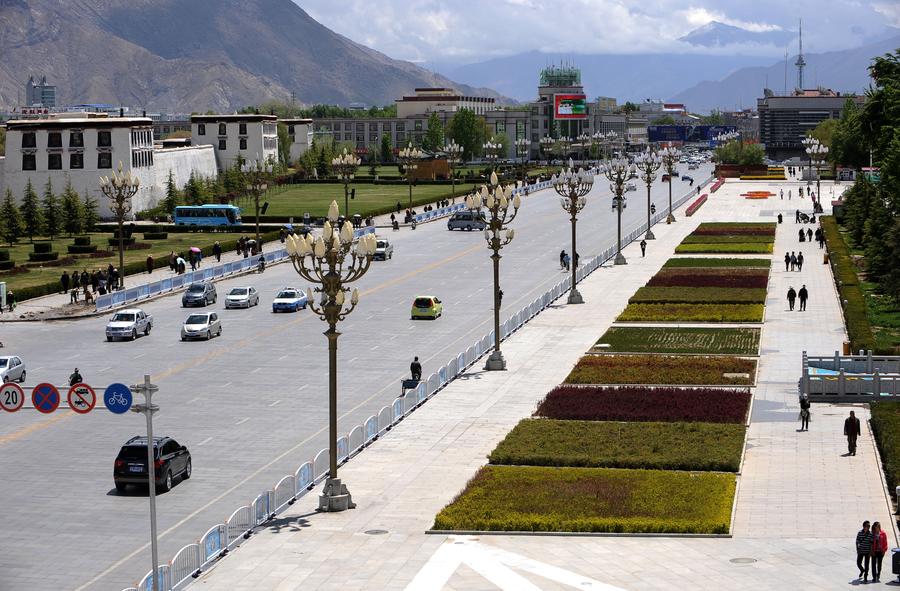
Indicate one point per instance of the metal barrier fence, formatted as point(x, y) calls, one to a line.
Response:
point(220, 539)
point(451, 209)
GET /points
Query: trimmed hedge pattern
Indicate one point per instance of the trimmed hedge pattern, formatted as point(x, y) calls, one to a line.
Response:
point(698, 295)
point(81, 248)
point(41, 257)
point(681, 262)
point(886, 429)
point(43, 247)
point(156, 235)
point(717, 277)
point(735, 248)
point(859, 330)
point(677, 370)
point(724, 341)
point(670, 312)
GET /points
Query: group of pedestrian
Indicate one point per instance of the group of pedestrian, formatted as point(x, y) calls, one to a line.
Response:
point(792, 296)
point(793, 262)
point(246, 246)
point(805, 235)
point(564, 260)
point(871, 545)
point(98, 281)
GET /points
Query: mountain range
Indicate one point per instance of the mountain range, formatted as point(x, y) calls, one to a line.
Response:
point(716, 34)
point(191, 55)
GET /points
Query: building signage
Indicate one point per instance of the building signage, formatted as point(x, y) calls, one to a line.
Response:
point(570, 106)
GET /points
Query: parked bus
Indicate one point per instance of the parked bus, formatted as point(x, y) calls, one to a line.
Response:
point(210, 214)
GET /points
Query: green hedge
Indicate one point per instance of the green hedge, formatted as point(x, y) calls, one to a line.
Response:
point(155, 235)
point(82, 240)
point(856, 319)
point(674, 312)
point(4, 255)
point(606, 444)
point(125, 241)
point(530, 498)
point(81, 248)
point(717, 262)
point(43, 247)
point(42, 257)
point(675, 370)
point(730, 248)
point(698, 295)
point(722, 341)
point(886, 429)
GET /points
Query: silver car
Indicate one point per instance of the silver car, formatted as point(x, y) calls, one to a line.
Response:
point(383, 250)
point(242, 297)
point(201, 326)
point(12, 369)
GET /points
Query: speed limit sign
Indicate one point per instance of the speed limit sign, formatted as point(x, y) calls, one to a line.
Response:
point(11, 397)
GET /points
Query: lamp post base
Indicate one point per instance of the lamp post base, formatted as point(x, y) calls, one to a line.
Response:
point(495, 362)
point(574, 297)
point(620, 260)
point(335, 496)
point(649, 235)
point(670, 218)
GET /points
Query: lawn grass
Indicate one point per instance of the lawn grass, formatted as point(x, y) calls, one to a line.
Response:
point(698, 295)
point(676, 370)
point(680, 262)
point(603, 444)
point(728, 248)
point(884, 317)
point(316, 197)
point(692, 313)
point(644, 403)
point(530, 498)
point(886, 429)
point(727, 239)
point(730, 341)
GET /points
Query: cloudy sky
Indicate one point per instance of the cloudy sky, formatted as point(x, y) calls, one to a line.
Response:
point(460, 31)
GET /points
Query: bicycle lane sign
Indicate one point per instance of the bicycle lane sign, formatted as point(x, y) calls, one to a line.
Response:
point(117, 398)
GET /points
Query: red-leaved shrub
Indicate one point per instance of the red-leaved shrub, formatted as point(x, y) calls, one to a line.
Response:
point(669, 278)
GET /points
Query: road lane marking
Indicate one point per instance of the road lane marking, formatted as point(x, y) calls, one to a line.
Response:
point(205, 441)
point(104, 369)
point(242, 421)
point(276, 403)
point(226, 384)
point(193, 400)
point(373, 348)
point(282, 358)
point(138, 356)
point(303, 387)
point(255, 370)
point(352, 360)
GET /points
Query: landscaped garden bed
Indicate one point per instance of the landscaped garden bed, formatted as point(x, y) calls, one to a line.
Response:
point(713, 277)
point(603, 444)
point(698, 295)
point(643, 403)
point(726, 239)
point(530, 498)
point(750, 238)
point(728, 248)
point(681, 262)
point(673, 312)
point(728, 341)
point(673, 370)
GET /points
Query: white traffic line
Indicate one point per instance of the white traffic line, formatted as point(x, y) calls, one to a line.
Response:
point(104, 369)
point(207, 440)
point(276, 403)
point(282, 358)
point(193, 400)
point(256, 370)
point(226, 384)
point(352, 360)
point(373, 348)
point(242, 421)
point(303, 387)
point(138, 356)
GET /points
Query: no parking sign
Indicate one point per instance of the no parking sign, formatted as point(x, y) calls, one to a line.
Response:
point(45, 398)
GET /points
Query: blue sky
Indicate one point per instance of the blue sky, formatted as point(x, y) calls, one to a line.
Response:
point(460, 31)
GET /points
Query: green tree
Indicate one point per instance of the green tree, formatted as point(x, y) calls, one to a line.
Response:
point(71, 210)
point(52, 212)
point(89, 215)
point(734, 152)
point(170, 201)
point(194, 191)
point(434, 136)
point(32, 216)
point(891, 280)
point(468, 130)
point(503, 140)
point(387, 148)
point(284, 145)
point(10, 219)
point(664, 120)
point(714, 118)
point(2, 141)
point(858, 203)
point(849, 145)
point(876, 228)
point(630, 107)
point(824, 132)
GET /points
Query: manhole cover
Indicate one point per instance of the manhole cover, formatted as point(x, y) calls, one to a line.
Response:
point(376, 532)
point(743, 560)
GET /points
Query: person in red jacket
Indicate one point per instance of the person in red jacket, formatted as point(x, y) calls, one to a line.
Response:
point(879, 547)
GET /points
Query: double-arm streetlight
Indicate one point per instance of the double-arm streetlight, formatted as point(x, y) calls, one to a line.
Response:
point(492, 153)
point(324, 262)
point(546, 144)
point(344, 166)
point(409, 157)
point(817, 154)
point(648, 162)
point(523, 145)
point(257, 174)
point(584, 141)
point(454, 155)
point(618, 171)
point(492, 204)
point(120, 189)
point(670, 158)
point(572, 187)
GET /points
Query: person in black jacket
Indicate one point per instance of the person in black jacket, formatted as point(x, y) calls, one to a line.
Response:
point(804, 412)
point(791, 296)
point(852, 429)
point(415, 368)
point(864, 540)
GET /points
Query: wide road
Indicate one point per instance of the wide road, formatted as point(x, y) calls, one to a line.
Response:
point(251, 406)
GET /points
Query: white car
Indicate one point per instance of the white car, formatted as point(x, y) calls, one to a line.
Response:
point(12, 369)
point(128, 324)
point(289, 299)
point(630, 187)
point(242, 297)
point(202, 325)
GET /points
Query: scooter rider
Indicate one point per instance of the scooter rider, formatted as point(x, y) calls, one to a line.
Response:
point(75, 378)
point(261, 263)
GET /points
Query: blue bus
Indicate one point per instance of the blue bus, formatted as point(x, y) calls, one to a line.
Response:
point(210, 214)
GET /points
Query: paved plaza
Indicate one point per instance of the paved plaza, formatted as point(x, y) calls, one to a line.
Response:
point(799, 504)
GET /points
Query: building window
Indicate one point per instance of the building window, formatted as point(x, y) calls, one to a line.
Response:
point(290, 130)
point(104, 139)
point(222, 144)
point(400, 137)
point(401, 126)
point(243, 144)
point(242, 129)
point(54, 161)
point(76, 139)
point(54, 140)
point(104, 160)
point(29, 162)
point(500, 126)
point(347, 126)
point(373, 138)
point(76, 160)
point(222, 130)
point(360, 126)
point(386, 127)
point(29, 140)
point(359, 138)
point(347, 137)
point(418, 125)
point(201, 129)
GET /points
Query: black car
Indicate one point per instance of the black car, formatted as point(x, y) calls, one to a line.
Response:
point(199, 294)
point(171, 460)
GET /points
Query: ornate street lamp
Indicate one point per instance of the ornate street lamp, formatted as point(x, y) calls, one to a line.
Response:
point(324, 262)
point(454, 155)
point(817, 153)
point(344, 166)
point(492, 204)
point(492, 153)
point(257, 174)
point(409, 157)
point(618, 172)
point(669, 158)
point(546, 144)
point(572, 188)
point(584, 140)
point(120, 189)
point(564, 144)
point(522, 147)
point(648, 163)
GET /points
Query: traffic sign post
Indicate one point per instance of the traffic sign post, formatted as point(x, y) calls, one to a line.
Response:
point(117, 398)
point(147, 409)
point(11, 397)
point(82, 398)
point(45, 398)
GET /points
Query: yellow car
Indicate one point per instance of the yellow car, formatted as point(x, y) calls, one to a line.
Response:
point(426, 307)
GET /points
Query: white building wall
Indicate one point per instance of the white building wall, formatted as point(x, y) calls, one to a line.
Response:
point(201, 160)
point(261, 140)
point(303, 137)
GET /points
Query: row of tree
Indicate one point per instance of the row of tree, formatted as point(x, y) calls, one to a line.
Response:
point(49, 215)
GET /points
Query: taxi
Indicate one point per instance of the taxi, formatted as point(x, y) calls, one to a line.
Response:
point(426, 306)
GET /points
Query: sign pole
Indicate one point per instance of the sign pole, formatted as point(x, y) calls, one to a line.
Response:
point(147, 409)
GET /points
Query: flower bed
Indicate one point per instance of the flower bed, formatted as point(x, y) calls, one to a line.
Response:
point(693, 207)
point(709, 230)
point(727, 239)
point(722, 341)
point(686, 370)
point(737, 227)
point(738, 248)
point(528, 498)
point(704, 447)
point(698, 295)
point(745, 278)
point(692, 313)
point(716, 185)
point(681, 262)
point(642, 403)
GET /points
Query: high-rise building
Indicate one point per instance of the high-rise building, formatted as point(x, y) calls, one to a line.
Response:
point(40, 94)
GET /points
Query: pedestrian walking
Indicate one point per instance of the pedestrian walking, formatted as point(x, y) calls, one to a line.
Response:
point(566, 260)
point(577, 257)
point(73, 297)
point(76, 280)
point(800, 261)
point(802, 235)
point(415, 368)
point(787, 261)
point(64, 281)
point(804, 412)
point(217, 251)
point(85, 278)
point(793, 261)
point(782, 193)
point(879, 547)
point(791, 296)
point(11, 300)
point(149, 264)
point(562, 258)
point(851, 430)
point(199, 258)
point(172, 258)
point(643, 247)
point(193, 261)
point(789, 194)
point(809, 234)
point(797, 217)
point(864, 539)
point(780, 218)
point(95, 281)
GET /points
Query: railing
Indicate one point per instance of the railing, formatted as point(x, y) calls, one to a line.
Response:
point(853, 378)
point(189, 562)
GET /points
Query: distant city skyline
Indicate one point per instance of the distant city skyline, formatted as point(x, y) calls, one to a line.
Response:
point(432, 32)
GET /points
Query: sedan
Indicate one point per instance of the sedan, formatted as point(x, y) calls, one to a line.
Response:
point(12, 369)
point(242, 297)
point(426, 307)
point(199, 294)
point(201, 326)
point(289, 299)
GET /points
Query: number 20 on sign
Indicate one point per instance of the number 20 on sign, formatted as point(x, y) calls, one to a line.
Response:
point(11, 397)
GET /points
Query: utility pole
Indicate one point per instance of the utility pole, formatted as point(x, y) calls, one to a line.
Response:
point(147, 409)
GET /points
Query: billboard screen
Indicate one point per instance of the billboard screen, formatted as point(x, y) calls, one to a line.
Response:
point(686, 133)
point(570, 106)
